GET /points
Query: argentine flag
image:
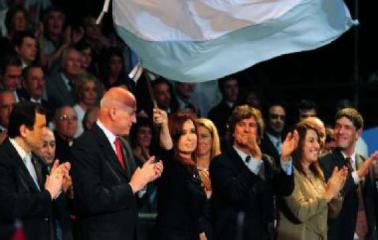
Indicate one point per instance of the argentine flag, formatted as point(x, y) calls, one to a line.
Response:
point(200, 40)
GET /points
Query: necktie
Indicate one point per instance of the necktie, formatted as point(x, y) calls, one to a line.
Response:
point(38, 171)
point(119, 153)
point(31, 170)
point(247, 159)
point(348, 164)
point(279, 147)
point(361, 223)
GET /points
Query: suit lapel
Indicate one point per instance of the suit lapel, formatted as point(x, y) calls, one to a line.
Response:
point(235, 158)
point(22, 172)
point(108, 152)
point(127, 156)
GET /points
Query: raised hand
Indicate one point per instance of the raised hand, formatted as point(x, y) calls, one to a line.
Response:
point(160, 117)
point(54, 181)
point(336, 182)
point(67, 181)
point(253, 147)
point(202, 236)
point(364, 168)
point(289, 145)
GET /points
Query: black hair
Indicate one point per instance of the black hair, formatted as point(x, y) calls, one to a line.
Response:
point(23, 113)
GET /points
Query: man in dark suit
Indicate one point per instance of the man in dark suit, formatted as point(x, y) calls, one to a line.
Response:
point(105, 178)
point(7, 102)
point(25, 193)
point(229, 87)
point(271, 143)
point(244, 180)
point(357, 216)
point(60, 85)
point(33, 87)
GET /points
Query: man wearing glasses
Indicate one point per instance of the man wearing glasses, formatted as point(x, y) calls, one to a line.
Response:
point(65, 122)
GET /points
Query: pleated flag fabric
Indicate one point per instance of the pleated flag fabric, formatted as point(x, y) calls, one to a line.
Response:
point(200, 40)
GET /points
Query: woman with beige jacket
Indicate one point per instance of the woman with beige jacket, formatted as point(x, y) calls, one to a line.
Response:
point(303, 214)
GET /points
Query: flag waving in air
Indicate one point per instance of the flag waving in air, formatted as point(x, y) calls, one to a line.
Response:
point(200, 40)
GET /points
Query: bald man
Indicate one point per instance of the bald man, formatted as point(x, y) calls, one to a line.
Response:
point(105, 177)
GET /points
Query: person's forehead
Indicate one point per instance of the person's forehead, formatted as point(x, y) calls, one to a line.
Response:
point(28, 39)
point(277, 109)
point(35, 71)
point(67, 111)
point(248, 120)
point(161, 86)
point(13, 69)
point(231, 81)
point(72, 53)
point(7, 98)
point(188, 124)
point(311, 133)
point(344, 121)
point(48, 135)
point(308, 110)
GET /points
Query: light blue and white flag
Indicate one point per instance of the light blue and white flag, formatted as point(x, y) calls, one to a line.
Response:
point(199, 40)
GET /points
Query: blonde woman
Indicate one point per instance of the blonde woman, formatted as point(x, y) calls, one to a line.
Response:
point(208, 148)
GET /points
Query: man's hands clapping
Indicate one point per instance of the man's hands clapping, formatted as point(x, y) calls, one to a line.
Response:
point(147, 173)
point(58, 179)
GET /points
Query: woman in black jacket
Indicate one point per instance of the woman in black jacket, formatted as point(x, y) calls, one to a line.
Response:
point(181, 196)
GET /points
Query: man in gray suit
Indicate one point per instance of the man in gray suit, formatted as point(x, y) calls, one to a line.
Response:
point(60, 85)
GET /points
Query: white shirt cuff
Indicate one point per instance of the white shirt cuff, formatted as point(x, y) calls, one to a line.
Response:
point(287, 166)
point(355, 177)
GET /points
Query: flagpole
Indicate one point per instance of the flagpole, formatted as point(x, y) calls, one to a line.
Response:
point(356, 66)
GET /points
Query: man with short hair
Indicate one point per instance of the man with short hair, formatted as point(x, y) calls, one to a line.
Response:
point(11, 75)
point(25, 45)
point(184, 92)
point(26, 192)
point(33, 83)
point(271, 143)
point(357, 216)
point(65, 122)
point(164, 95)
point(229, 87)
point(7, 102)
point(33, 87)
point(244, 180)
point(60, 86)
point(306, 108)
point(106, 178)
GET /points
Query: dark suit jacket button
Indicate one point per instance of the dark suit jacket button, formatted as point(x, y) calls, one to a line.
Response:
point(46, 219)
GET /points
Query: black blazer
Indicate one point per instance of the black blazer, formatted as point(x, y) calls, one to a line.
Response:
point(268, 148)
point(343, 227)
point(58, 94)
point(181, 201)
point(243, 203)
point(220, 115)
point(106, 205)
point(21, 199)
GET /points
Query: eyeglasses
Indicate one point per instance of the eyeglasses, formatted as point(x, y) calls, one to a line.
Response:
point(277, 116)
point(67, 118)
